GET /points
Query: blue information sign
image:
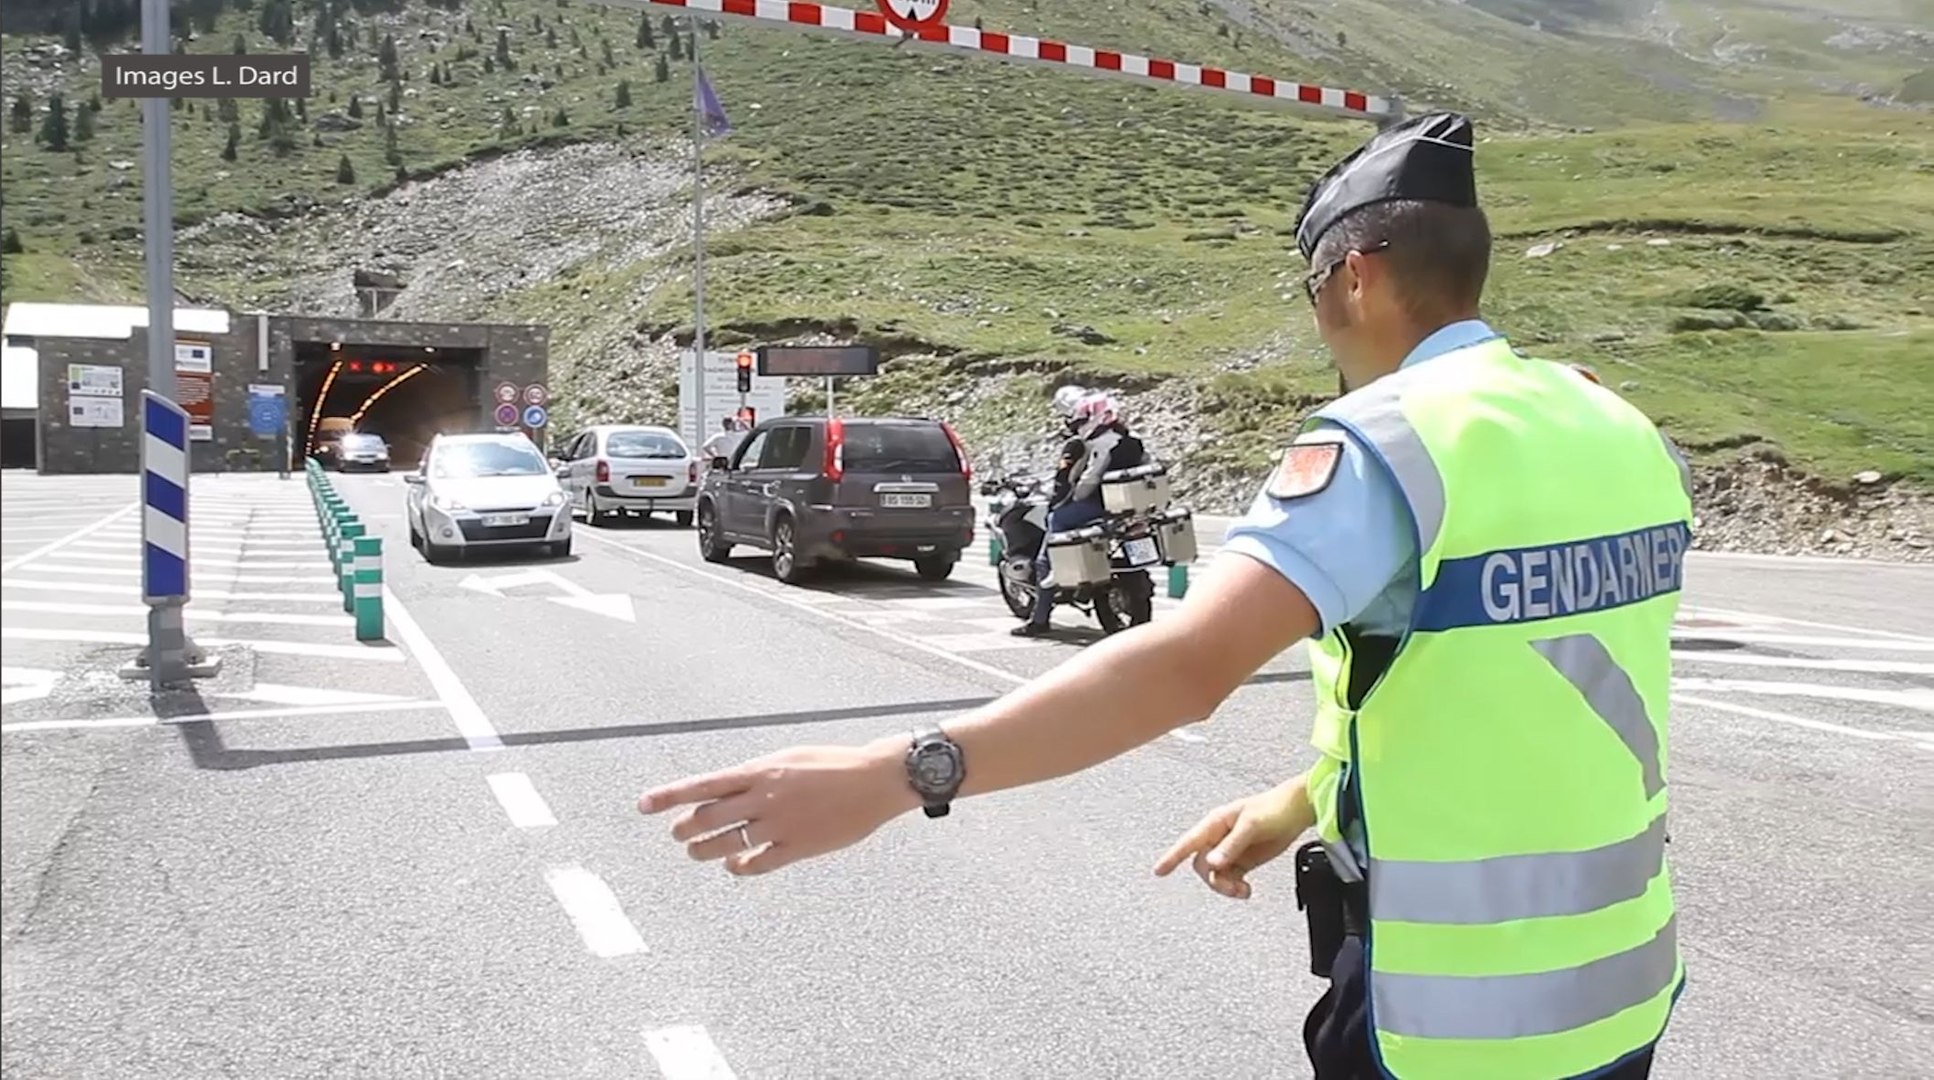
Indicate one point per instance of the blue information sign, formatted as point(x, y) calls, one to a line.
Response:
point(268, 410)
point(535, 416)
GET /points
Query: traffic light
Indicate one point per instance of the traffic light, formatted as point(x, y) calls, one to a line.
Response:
point(745, 373)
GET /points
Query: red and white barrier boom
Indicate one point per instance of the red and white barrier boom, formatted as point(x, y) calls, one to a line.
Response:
point(919, 23)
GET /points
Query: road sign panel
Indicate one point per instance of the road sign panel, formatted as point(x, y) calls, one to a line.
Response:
point(506, 415)
point(914, 15)
point(268, 410)
point(535, 394)
point(535, 416)
point(506, 393)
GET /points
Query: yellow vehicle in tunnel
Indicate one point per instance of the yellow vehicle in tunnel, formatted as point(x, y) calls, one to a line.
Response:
point(328, 443)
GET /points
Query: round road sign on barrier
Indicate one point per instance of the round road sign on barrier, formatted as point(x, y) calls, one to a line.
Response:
point(506, 393)
point(535, 416)
point(506, 415)
point(535, 394)
point(913, 16)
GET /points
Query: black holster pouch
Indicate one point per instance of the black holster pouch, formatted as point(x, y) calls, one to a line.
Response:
point(1321, 896)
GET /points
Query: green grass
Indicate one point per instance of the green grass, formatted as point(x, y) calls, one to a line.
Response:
point(976, 210)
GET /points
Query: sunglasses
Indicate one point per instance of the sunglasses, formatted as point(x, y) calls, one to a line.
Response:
point(1314, 281)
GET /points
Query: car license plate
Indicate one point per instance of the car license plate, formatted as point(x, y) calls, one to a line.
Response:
point(503, 521)
point(647, 481)
point(1141, 552)
point(906, 502)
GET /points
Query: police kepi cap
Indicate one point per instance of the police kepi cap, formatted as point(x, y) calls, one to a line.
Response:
point(1427, 158)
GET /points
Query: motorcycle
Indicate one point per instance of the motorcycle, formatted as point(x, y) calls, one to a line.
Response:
point(1018, 515)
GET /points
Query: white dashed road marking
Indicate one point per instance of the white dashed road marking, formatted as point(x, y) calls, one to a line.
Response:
point(600, 921)
point(519, 798)
point(686, 1053)
point(56, 545)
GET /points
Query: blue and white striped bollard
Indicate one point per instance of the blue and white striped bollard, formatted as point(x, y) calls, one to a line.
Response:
point(171, 657)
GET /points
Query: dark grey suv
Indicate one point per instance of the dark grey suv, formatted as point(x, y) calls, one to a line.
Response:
point(807, 489)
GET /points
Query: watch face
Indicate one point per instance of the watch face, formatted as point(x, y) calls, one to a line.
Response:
point(935, 769)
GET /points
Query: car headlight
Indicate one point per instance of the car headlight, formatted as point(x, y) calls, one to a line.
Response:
point(445, 502)
point(555, 498)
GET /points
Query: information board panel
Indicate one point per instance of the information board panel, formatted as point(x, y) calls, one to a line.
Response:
point(817, 361)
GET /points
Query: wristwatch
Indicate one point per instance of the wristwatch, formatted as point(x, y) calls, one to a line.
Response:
point(935, 768)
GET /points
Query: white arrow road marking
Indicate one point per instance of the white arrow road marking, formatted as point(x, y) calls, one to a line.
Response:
point(278, 694)
point(1753, 637)
point(616, 605)
point(26, 684)
point(1910, 699)
point(1869, 667)
point(1920, 739)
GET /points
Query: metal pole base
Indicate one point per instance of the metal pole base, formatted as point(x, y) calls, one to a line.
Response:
point(174, 659)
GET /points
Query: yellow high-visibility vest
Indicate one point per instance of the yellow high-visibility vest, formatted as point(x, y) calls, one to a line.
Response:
point(1506, 773)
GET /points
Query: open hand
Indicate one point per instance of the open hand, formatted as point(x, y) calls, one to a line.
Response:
point(788, 806)
point(1241, 836)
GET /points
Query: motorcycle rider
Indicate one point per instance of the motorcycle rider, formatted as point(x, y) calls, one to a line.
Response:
point(1105, 446)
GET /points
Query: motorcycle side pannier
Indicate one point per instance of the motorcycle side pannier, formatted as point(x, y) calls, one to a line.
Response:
point(1175, 535)
point(1139, 490)
point(1079, 557)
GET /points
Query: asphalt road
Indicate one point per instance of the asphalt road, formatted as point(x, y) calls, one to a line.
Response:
point(420, 857)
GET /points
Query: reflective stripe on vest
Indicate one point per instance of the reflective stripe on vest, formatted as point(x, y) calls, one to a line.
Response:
point(1509, 767)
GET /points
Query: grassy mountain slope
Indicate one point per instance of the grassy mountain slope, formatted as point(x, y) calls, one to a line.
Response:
point(1749, 283)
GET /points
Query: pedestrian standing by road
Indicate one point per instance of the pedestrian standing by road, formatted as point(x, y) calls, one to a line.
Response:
point(1487, 552)
point(723, 442)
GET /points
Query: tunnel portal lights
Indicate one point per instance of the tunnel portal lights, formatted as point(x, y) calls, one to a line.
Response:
point(315, 414)
point(357, 416)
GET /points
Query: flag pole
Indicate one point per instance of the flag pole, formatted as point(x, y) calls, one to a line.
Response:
point(699, 425)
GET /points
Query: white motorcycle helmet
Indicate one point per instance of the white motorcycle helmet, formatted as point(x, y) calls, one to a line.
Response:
point(1065, 400)
point(1094, 412)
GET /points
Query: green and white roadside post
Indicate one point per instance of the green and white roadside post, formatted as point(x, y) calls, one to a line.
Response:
point(367, 595)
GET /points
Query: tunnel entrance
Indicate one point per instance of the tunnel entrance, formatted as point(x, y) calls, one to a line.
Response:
point(406, 394)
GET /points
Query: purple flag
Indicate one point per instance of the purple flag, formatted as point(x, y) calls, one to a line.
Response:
point(711, 114)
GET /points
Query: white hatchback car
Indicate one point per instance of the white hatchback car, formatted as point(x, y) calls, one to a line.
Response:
point(482, 492)
point(629, 468)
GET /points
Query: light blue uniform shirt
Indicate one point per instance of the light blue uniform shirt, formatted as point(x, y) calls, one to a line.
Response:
point(1350, 547)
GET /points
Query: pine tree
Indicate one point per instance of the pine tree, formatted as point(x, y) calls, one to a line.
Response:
point(94, 103)
point(503, 51)
point(392, 153)
point(315, 140)
point(395, 98)
point(302, 110)
point(402, 174)
point(345, 172)
point(663, 71)
point(711, 30)
point(355, 106)
point(489, 67)
point(436, 77)
point(560, 120)
point(507, 126)
point(240, 46)
point(53, 130)
point(381, 116)
point(550, 38)
point(207, 112)
point(83, 124)
point(622, 99)
point(678, 46)
point(646, 39)
point(20, 119)
point(234, 139)
point(11, 245)
point(386, 57)
point(605, 55)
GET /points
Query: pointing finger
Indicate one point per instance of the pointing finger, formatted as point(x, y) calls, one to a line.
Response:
point(695, 789)
point(1191, 843)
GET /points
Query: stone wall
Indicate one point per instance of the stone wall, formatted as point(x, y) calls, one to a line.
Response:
point(515, 354)
point(65, 448)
